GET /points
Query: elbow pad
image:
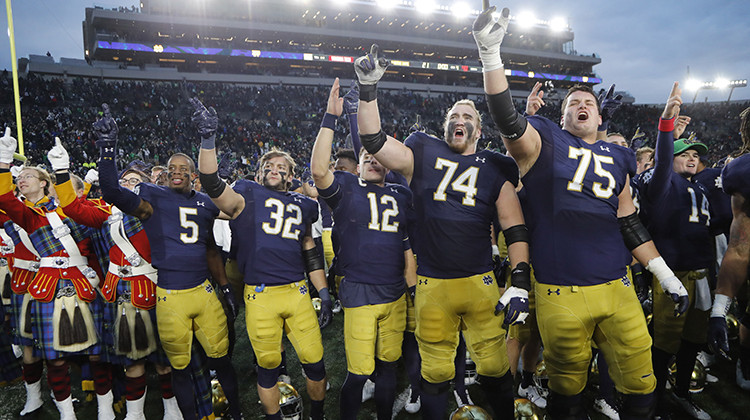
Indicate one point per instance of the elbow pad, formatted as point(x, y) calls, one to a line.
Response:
point(633, 231)
point(213, 185)
point(517, 233)
point(313, 260)
point(511, 123)
point(373, 142)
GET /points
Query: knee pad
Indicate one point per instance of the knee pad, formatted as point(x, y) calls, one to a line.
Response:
point(638, 406)
point(563, 407)
point(435, 389)
point(269, 359)
point(267, 378)
point(315, 371)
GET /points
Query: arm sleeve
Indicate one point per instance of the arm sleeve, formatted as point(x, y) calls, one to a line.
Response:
point(112, 192)
point(354, 130)
point(332, 195)
point(664, 155)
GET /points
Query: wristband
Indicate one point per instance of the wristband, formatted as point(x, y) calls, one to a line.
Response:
point(368, 93)
point(62, 177)
point(209, 143)
point(329, 121)
point(521, 276)
point(666, 125)
point(721, 306)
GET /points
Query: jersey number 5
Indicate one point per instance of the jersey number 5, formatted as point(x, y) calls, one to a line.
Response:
point(465, 183)
point(192, 236)
point(279, 221)
point(583, 166)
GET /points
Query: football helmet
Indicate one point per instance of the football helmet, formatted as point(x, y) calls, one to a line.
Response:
point(317, 304)
point(218, 399)
point(471, 375)
point(526, 410)
point(470, 412)
point(697, 378)
point(289, 402)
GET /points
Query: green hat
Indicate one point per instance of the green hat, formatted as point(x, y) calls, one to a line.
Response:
point(684, 144)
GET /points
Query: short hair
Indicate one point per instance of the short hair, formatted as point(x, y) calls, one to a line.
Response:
point(273, 153)
point(77, 182)
point(616, 134)
point(346, 154)
point(43, 176)
point(190, 160)
point(158, 168)
point(468, 102)
point(643, 151)
point(580, 88)
point(141, 175)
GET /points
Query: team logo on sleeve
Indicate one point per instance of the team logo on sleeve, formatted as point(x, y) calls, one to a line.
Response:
point(487, 280)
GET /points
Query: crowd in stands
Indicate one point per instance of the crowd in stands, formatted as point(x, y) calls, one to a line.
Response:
point(154, 118)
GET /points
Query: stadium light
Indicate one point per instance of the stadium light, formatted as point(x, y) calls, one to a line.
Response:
point(558, 24)
point(461, 9)
point(425, 6)
point(386, 4)
point(720, 83)
point(526, 19)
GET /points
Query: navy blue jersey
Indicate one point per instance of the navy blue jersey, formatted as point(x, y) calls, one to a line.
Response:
point(371, 227)
point(571, 208)
point(178, 231)
point(735, 177)
point(326, 216)
point(676, 212)
point(721, 204)
point(269, 233)
point(454, 198)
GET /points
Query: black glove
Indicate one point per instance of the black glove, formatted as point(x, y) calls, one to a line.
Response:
point(326, 308)
point(609, 104)
point(413, 292)
point(105, 129)
point(641, 281)
point(226, 166)
point(205, 120)
point(500, 268)
point(718, 340)
point(226, 289)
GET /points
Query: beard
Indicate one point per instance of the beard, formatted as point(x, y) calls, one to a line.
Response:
point(467, 138)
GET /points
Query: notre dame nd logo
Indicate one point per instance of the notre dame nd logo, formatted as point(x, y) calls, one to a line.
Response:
point(487, 280)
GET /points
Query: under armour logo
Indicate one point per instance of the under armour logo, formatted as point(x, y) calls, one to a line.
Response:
point(719, 183)
point(251, 297)
point(480, 159)
point(604, 148)
point(487, 280)
point(423, 281)
point(161, 299)
point(209, 289)
point(201, 203)
point(394, 190)
point(303, 290)
point(626, 281)
point(550, 291)
point(298, 199)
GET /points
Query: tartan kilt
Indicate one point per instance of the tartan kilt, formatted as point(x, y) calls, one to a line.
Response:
point(43, 327)
point(14, 310)
point(10, 366)
point(109, 335)
point(201, 381)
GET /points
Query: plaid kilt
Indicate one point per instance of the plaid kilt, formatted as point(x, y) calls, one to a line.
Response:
point(14, 310)
point(43, 329)
point(109, 336)
point(201, 381)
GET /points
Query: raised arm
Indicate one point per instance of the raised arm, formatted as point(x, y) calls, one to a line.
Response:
point(522, 140)
point(86, 215)
point(226, 199)
point(393, 154)
point(664, 154)
point(609, 103)
point(321, 153)
point(351, 108)
point(129, 202)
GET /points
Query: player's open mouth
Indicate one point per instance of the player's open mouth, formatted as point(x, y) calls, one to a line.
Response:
point(583, 116)
point(177, 181)
point(459, 132)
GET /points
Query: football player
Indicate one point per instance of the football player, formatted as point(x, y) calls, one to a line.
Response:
point(578, 204)
point(458, 191)
point(734, 267)
point(178, 222)
point(375, 259)
point(272, 230)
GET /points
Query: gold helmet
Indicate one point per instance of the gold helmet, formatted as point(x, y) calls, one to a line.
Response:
point(218, 399)
point(526, 410)
point(317, 304)
point(289, 402)
point(733, 327)
point(697, 378)
point(540, 375)
point(470, 372)
point(470, 412)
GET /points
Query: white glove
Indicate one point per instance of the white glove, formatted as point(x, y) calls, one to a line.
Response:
point(92, 176)
point(516, 301)
point(488, 33)
point(15, 171)
point(670, 283)
point(371, 67)
point(58, 156)
point(8, 146)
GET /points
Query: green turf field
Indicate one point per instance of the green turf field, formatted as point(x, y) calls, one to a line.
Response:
point(724, 400)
